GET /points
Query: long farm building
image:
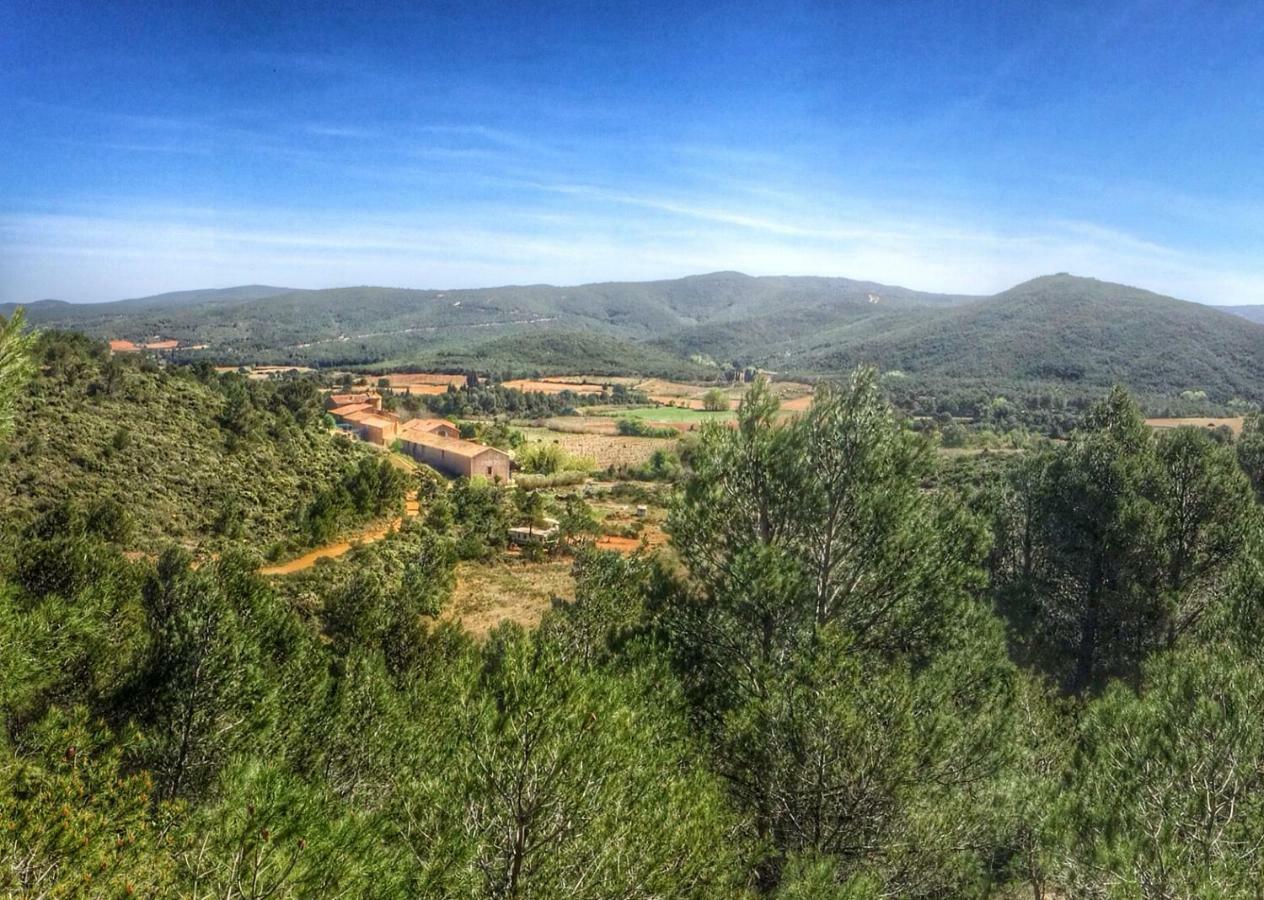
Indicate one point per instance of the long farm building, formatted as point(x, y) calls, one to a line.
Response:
point(456, 457)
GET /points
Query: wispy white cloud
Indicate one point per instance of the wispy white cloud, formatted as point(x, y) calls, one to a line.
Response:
point(83, 256)
point(351, 132)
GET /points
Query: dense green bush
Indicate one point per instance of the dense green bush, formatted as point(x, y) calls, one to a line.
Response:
point(187, 454)
point(634, 427)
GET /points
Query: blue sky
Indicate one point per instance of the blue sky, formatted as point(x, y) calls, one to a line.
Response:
point(948, 146)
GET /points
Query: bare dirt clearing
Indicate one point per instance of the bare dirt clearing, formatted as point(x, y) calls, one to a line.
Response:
point(489, 593)
point(651, 538)
point(794, 395)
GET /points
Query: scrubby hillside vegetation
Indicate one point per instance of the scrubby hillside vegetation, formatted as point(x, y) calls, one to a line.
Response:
point(852, 674)
point(180, 453)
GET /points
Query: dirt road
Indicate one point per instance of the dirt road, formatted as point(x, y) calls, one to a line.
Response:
point(336, 549)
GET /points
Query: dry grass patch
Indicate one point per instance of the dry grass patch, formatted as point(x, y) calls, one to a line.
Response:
point(489, 593)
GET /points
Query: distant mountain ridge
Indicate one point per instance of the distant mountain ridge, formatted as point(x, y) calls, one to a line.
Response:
point(1055, 330)
point(1250, 313)
point(54, 310)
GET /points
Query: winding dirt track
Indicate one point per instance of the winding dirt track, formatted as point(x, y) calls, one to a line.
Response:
point(330, 551)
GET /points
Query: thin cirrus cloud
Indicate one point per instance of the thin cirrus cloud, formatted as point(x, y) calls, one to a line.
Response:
point(592, 238)
point(477, 205)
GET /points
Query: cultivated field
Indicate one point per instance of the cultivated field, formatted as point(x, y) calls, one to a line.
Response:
point(605, 449)
point(674, 416)
point(550, 386)
point(600, 424)
point(1233, 423)
point(417, 382)
point(625, 380)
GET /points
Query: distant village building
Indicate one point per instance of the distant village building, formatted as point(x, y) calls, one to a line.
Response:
point(456, 457)
point(374, 427)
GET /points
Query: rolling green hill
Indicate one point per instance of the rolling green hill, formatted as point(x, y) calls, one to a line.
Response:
point(370, 324)
point(60, 312)
point(1062, 329)
point(1057, 330)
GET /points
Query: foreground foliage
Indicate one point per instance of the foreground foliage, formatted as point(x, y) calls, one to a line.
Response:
point(852, 677)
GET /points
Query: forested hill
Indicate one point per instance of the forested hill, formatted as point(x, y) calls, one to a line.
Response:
point(1063, 329)
point(61, 312)
point(1057, 331)
point(182, 454)
point(375, 323)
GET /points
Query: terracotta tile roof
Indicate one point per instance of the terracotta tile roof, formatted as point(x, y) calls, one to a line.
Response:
point(350, 409)
point(455, 446)
point(348, 399)
point(427, 424)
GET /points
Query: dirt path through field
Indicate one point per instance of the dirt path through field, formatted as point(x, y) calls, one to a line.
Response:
point(336, 549)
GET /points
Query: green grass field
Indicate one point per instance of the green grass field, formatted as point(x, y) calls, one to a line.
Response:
point(669, 414)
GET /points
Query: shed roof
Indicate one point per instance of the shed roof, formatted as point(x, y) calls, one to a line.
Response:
point(456, 446)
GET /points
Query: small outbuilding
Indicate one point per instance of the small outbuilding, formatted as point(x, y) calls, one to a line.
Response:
point(456, 457)
point(374, 427)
